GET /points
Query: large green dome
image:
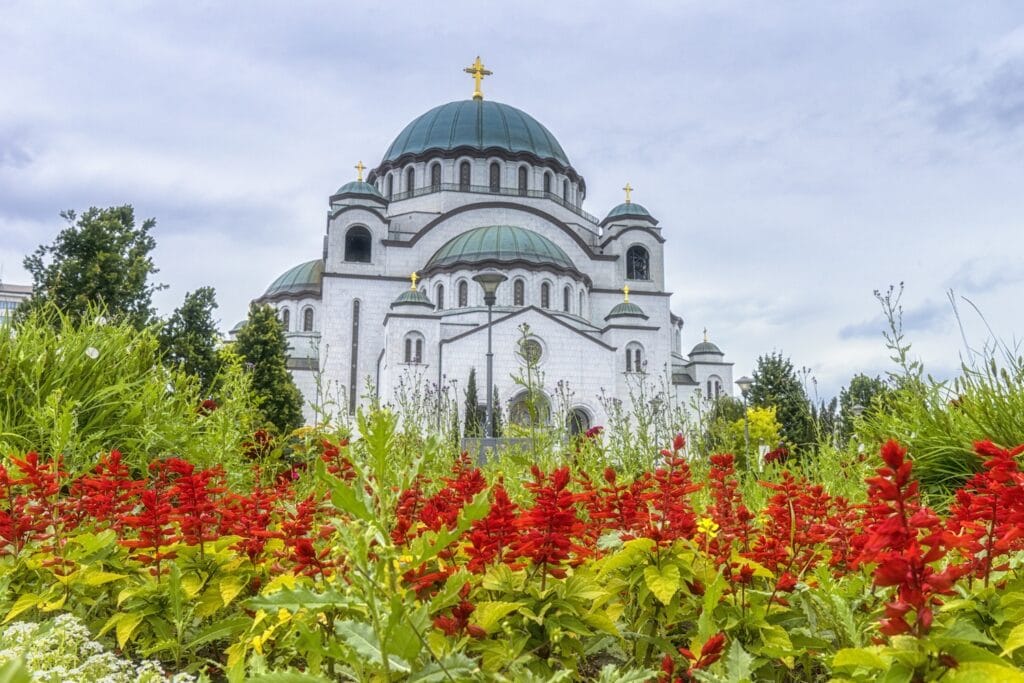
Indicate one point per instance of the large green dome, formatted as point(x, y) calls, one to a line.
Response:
point(303, 279)
point(476, 126)
point(500, 245)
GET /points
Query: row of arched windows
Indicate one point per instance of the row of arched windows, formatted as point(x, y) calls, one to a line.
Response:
point(307, 319)
point(518, 296)
point(635, 358)
point(465, 178)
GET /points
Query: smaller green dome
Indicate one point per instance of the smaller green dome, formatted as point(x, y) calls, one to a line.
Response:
point(706, 347)
point(626, 309)
point(414, 297)
point(303, 279)
point(359, 188)
point(502, 244)
point(629, 210)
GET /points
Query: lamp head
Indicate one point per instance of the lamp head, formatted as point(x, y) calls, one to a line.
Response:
point(489, 281)
point(745, 383)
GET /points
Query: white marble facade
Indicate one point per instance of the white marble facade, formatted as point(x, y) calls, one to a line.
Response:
point(460, 170)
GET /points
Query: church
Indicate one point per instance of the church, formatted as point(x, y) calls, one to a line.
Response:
point(476, 186)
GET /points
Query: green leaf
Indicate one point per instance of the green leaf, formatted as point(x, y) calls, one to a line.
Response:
point(663, 583)
point(14, 671)
point(489, 614)
point(225, 629)
point(631, 553)
point(1014, 641)
point(361, 638)
point(984, 672)
point(858, 657)
point(98, 578)
point(286, 677)
point(738, 664)
point(962, 631)
point(23, 603)
point(456, 667)
point(299, 598)
point(126, 626)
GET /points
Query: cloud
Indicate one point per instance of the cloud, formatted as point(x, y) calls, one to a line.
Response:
point(928, 317)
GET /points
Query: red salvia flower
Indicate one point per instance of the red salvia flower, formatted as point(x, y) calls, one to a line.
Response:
point(548, 528)
point(493, 536)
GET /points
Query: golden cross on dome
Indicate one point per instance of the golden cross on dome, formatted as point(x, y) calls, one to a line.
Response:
point(413, 278)
point(359, 171)
point(478, 72)
point(625, 294)
point(628, 188)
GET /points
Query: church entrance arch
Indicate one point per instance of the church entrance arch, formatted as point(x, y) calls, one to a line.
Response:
point(527, 409)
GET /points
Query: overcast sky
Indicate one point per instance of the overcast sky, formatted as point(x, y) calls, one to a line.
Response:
point(798, 155)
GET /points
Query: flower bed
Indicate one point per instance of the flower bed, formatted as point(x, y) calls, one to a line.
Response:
point(348, 567)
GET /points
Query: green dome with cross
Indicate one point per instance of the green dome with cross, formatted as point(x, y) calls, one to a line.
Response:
point(499, 245)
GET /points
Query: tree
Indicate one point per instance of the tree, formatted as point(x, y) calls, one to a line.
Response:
point(474, 423)
point(776, 384)
point(100, 258)
point(262, 344)
point(188, 338)
point(867, 392)
point(499, 422)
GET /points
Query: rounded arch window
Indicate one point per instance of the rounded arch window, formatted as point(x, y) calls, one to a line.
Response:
point(526, 409)
point(565, 191)
point(495, 177)
point(545, 295)
point(581, 304)
point(566, 298)
point(638, 263)
point(307, 319)
point(463, 294)
point(439, 297)
point(358, 245)
point(714, 386)
point(547, 183)
point(464, 169)
point(518, 292)
point(435, 176)
point(286, 318)
point(522, 181)
point(390, 185)
point(413, 351)
point(579, 421)
point(635, 358)
point(410, 179)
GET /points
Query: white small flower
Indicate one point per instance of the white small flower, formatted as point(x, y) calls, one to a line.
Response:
point(92, 352)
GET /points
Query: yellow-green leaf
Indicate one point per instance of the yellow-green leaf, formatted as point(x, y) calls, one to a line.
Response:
point(230, 586)
point(126, 625)
point(663, 583)
point(98, 578)
point(858, 657)
point(984, 672)
point(1015, 640)
point(489, 614)
point(23, 603)
point(191, 584)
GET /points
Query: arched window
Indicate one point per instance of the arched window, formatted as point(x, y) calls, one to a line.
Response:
point(518, 293)
point(638, 263)
point(307, 319)
point(410, 180)
point(547, 183)
point(579, 421)
point(522, 181)
point(390, 186)
point(440, 297)
point(495, 184)
point(634, 357)
point(435, 177)
point(566, 298)
point(545, 295)
point(463, 294)
point(714, 387)
point(286, 318)
point(464, 176)
point(581, 304)
point(358, 245)
point(565, 191)
point(413, 348)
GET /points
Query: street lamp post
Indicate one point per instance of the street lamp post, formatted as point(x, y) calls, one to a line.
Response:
point(745, 383)
point(489, 281)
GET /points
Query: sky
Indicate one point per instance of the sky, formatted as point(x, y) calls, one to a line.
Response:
point(799, 156)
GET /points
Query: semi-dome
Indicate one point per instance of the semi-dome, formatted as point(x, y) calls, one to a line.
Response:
point(358, 188)
point(303, 279)
point(706, 348)
point(626, 309)
point(414, 297)
point(481, 126)
point(500, 245)
point(629, 210)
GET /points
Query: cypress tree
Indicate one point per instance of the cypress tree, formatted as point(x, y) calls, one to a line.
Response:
point(473, 422)
point(189, 337)
point(261, 342)
point(776, 384)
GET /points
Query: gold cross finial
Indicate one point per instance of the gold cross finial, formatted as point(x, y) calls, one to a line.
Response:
point(625, 294)
point(413, 278)
point(628, 188)
point(478, 72)
point(359, 171)
point(705, 334)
